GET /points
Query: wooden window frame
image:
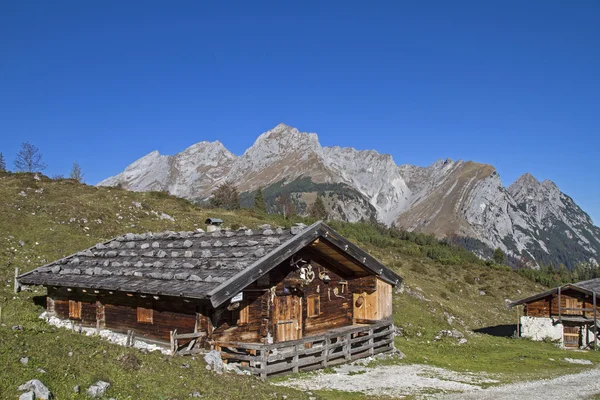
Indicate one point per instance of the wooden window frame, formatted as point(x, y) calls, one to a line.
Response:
point(74, 309)
point(145, 315)
point(313, 306)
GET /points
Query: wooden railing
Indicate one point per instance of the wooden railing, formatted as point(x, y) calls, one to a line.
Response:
point(334, 347)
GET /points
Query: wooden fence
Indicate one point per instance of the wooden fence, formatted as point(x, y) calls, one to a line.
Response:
point(191, 341)
point(334, 347)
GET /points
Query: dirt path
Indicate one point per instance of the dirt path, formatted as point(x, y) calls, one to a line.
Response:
point(431, 382)
point(576, 386)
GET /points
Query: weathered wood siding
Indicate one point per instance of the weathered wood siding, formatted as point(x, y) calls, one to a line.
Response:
point(375, 305)
point(548, 306)
point(227, 322)
point(274, 308)
point(118, 312)
point(384, 299)
point(335, 290)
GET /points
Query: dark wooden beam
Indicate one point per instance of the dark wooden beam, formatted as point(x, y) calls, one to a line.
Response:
point(330, 263)
point(349, 249)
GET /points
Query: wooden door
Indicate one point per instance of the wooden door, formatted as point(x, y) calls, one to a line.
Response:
point(570, 304)
point(288, 318)
point(571, 336)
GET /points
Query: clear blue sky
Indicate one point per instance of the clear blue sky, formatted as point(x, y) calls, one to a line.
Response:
point(512, 83)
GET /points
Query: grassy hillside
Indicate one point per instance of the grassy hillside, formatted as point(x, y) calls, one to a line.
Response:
point(43, 220)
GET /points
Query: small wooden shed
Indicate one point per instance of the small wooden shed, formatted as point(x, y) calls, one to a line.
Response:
point(568, 314)
point(273, 300)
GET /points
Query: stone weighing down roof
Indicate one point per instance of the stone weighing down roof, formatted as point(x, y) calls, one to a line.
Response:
point(590, 287)
point(174, 263)
point(215, 265)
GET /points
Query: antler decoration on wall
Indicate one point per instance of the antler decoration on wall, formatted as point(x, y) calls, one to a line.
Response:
point(306, 270)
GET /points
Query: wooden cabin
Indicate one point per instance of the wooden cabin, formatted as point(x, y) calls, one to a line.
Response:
point(273, 300)
point(568, 314)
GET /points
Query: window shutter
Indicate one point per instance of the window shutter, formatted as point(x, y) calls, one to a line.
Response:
point(74, 309)
point(145, 315)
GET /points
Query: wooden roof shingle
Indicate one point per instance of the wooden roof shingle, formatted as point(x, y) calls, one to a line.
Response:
point(215, 265)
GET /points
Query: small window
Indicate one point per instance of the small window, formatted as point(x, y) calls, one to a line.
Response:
point(313, 305)
point(244, 314)
point(145, 315)
point(74, 309)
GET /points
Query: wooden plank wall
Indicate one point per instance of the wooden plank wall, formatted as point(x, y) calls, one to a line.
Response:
point(118, 312)
point(384, 299)
point(548, 306)
point(336, 299)
point(336, 295)
point(227, 327)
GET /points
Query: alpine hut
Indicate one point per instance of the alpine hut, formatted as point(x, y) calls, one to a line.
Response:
point(273, 300)
point(568, 314)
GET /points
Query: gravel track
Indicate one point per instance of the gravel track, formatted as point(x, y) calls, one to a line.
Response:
point(425, 381)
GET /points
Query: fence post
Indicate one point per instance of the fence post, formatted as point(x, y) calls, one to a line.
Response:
point(295, 359)
point(172, 336)
point(17, 287)
point(347, 347)
point(371, 342)
point(325, 352)
point(391, 336)
point(263, 364)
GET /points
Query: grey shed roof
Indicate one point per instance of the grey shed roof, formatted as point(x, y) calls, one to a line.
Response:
point(590, 287)
point(214, 265)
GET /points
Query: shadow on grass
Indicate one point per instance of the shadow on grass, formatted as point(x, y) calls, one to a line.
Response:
point(499, 330)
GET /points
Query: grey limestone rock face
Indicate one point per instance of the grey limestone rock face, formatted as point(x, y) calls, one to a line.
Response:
point(528, 219)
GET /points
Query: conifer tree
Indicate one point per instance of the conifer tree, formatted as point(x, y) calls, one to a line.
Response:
point(499, 257)
point(2, 163)
point(317, 209)
point(259, 201)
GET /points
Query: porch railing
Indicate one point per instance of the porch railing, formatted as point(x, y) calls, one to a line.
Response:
point(333, 347)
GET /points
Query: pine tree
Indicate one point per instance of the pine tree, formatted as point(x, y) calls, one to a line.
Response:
point(226, 196)
point(29, 159)
point(499, 257)
point(317, 209)
point(259, 201)
point(76, 173)
point(2, 163)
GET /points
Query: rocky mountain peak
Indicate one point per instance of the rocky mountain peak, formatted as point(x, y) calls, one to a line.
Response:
point(284, 138)
point(526, 180)
point(529, 219)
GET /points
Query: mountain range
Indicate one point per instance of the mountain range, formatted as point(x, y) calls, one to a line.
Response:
point(533, 222)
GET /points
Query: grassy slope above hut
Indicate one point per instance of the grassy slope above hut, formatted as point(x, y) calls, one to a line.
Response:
point(43, 220)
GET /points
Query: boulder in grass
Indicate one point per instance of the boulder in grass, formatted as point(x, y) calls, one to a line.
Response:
point(98, 389)
point(214, 361)
point(27, 396)
point(40, 390)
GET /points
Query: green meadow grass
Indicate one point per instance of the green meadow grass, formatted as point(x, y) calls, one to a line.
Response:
point(58, 218)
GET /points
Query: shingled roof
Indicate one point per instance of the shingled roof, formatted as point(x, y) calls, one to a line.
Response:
point(213, 265)
point(590, 287)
